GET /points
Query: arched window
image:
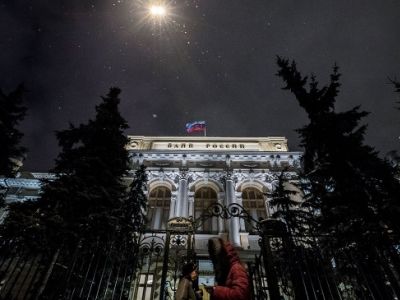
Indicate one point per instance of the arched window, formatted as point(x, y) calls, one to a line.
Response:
point(158, 208)
point(254, 204)
point(203, 198)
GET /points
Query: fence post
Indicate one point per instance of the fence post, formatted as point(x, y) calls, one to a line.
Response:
point(48, 273)
point(165, 266)
point(270, 228)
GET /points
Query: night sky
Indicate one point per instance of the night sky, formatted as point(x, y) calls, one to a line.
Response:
point(209, 60)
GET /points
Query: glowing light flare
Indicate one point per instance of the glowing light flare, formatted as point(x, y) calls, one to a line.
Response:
point(158, 11)
point(160, 15)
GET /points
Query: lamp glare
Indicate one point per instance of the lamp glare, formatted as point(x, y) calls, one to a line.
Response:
point(158, 10)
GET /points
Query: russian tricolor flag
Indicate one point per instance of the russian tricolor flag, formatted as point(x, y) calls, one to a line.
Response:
point(195, 126)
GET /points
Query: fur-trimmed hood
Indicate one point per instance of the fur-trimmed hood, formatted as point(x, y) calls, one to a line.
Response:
point(230, 274)
point(218, 247)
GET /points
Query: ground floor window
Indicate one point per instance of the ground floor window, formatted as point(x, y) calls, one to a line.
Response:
point(203, 199)
point(158, 208)
point(254, 204)
point(145, 287)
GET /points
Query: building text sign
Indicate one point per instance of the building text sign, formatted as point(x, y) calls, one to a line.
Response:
point(208, 144)
point(204, 146)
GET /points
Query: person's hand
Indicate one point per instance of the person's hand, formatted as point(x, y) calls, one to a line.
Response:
point(199, 294)
point(209, 288)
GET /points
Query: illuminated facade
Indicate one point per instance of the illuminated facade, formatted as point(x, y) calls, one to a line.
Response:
point(186, 176)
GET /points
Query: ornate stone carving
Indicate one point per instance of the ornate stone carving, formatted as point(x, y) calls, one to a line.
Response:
point(161, 175)
point(205, 175)
point(184, 174)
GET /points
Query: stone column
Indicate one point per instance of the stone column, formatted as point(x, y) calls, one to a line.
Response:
point(268, 207)
point(172, 212)
point(191, 204)
point(221, 221)
point(253, 213)
point(233, 222)
point(182, 200)
point(157, 218)
point(239, 201)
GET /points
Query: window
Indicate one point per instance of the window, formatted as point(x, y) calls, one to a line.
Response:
point(254, 204)
point(145, 287)
point(203, 199)
point(158, 209)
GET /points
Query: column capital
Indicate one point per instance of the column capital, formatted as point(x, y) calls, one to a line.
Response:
point(183, 173)
point(229, 176)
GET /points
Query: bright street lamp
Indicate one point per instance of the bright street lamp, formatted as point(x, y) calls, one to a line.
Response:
point(158, 11)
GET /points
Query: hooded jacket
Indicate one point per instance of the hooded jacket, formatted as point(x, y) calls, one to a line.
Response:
point(236, 284)
point(185, 287)
point(185, 290)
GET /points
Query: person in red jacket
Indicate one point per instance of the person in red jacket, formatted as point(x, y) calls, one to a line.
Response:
point(230, 275)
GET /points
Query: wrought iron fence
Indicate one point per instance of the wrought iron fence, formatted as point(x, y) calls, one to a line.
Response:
point(305, 267)
point(100, 272)
point(287, 267)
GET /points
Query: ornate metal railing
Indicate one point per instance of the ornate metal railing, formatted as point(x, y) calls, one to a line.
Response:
point(294, 266)
point(233, 210)
point(288, 266)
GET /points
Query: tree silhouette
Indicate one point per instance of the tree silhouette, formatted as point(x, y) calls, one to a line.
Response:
point(287, 207)
point(353, 190)
point(393, 156)
point(88, 210)
point(12, 112)
point(136, 205)
point(397, 88)
point(297, 217)
point(85, 199)
point(81, 202)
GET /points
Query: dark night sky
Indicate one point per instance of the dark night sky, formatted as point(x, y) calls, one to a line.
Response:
point(209, 60)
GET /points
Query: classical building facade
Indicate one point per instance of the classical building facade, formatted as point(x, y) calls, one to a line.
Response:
point(198, 188)
point(189, 175)
point(194, 179)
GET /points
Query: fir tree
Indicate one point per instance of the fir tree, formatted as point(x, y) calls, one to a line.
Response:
point(136, 205)
point(296, 216)
point(88, 212)
point(132, 216)
point(12, 112)
point(393, 156)
point(90, 168)
point(84, 200)
point(397, 88)
point(288, 208)
point(352, 189)
point(350, 184)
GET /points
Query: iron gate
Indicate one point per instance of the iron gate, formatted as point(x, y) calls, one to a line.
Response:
point(162, 255)
point(288, 267)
